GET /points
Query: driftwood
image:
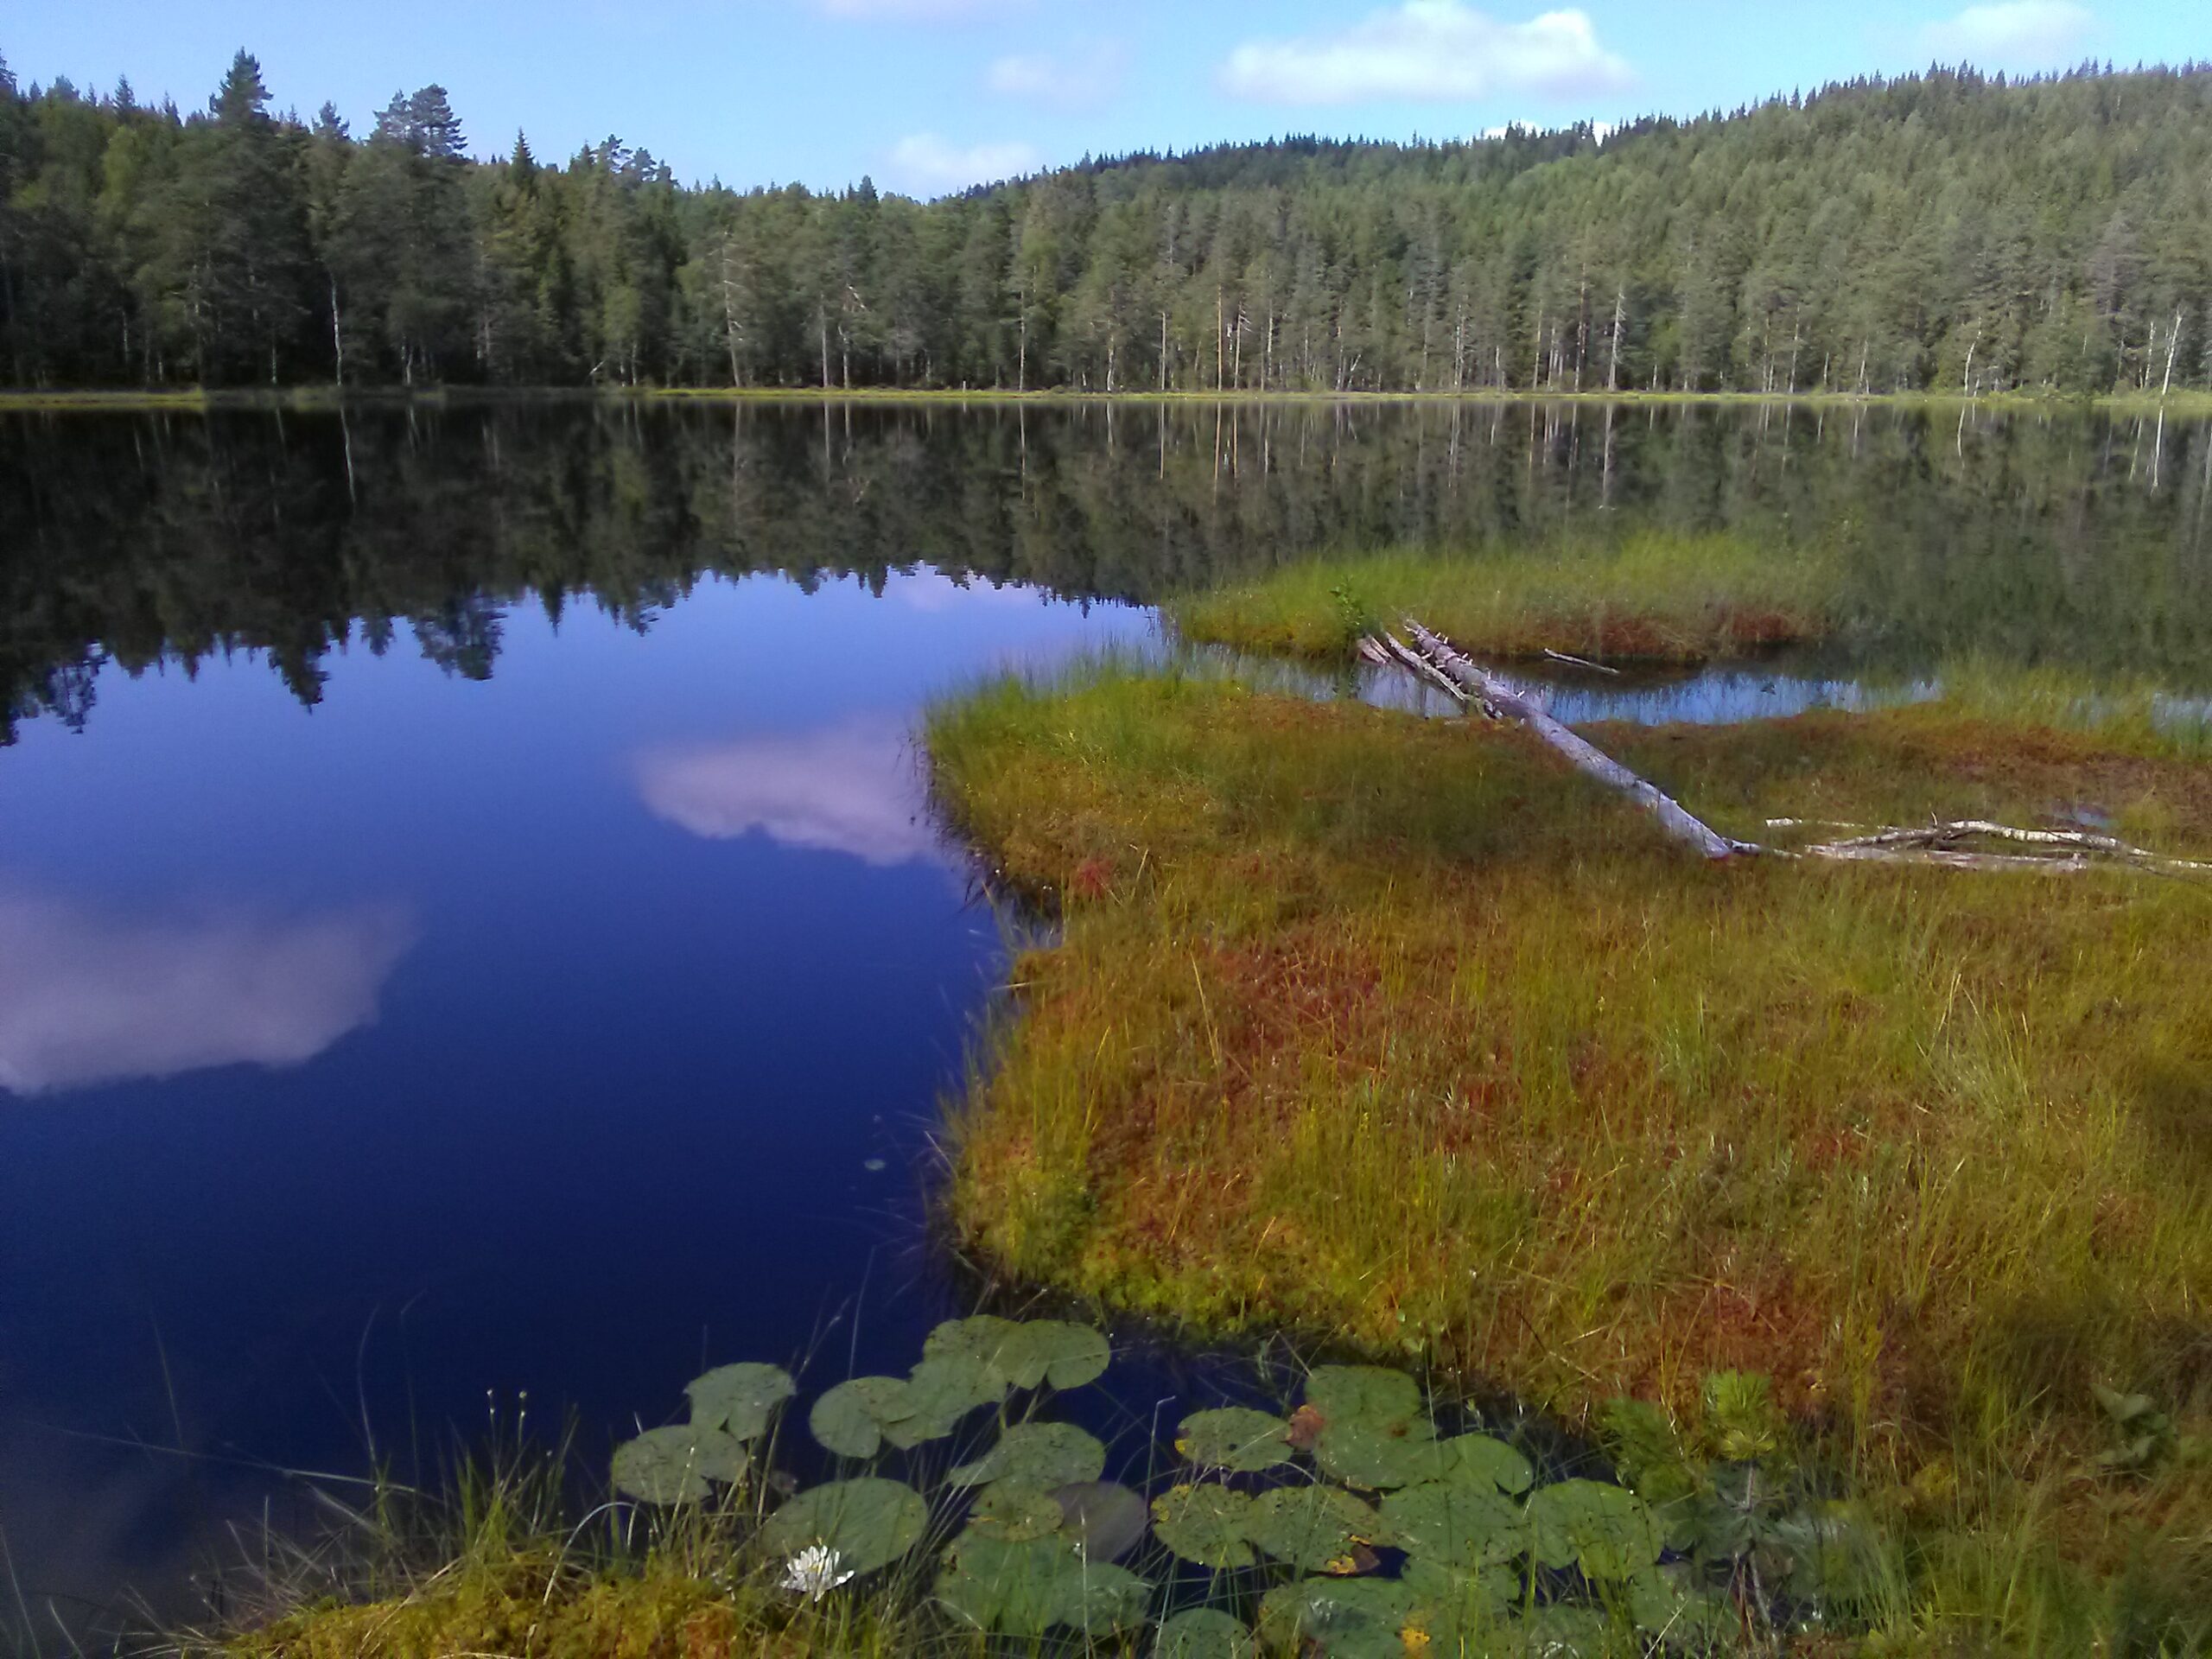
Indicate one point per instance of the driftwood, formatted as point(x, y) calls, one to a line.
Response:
point(2068, 850)
point(1503, 701)
point(1945, 844)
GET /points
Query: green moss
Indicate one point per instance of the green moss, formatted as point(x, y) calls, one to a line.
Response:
point(1652, 596)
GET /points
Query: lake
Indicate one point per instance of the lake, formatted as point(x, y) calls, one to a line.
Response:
point(472, 926)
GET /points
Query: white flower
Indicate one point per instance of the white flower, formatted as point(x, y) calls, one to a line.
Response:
point(813, 1573)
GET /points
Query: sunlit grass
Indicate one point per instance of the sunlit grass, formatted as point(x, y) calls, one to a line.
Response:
point(1395, 1030)
point(1652, 596)
point(494, 1557)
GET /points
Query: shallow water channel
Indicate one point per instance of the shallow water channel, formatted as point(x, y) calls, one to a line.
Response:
point(471, 924)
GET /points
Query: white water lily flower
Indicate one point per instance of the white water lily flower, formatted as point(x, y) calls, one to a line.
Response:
point(813, 1573)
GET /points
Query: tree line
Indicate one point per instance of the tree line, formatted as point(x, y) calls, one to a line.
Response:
point(1943, 231)
point(2083, 541)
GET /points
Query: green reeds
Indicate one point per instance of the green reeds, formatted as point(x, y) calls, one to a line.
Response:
point(1650, 596)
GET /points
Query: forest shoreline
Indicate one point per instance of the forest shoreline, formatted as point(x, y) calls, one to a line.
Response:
point(309, 398)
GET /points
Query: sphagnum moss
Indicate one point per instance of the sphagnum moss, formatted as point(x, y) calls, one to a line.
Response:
point(1395, 1030)
point(1651, 597)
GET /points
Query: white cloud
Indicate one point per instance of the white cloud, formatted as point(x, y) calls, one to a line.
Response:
point(928, 590)
point(2013, 35)
point(852, 788)
point(88, 996)
point(1427, 49)
point(1085, 79)
point(930, 166)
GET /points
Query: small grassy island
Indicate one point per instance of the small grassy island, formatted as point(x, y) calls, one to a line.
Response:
point(1653, 598)
point(1398, 1033)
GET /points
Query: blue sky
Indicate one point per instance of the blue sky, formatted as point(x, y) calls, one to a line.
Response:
point(929, 95)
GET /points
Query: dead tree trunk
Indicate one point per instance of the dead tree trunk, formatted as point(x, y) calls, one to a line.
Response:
point(1502, 700)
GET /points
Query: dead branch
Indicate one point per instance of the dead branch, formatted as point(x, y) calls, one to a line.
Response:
point(1502, 700)
point(1944, 844)
point(1940, 843)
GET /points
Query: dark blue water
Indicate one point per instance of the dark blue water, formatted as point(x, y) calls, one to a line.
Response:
point(550, 1034)
point(408, 1001)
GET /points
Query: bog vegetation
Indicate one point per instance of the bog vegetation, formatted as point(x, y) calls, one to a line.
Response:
point(1648, 597)
point(1938, 232)
point(1399, 1030)
point(959, 1508)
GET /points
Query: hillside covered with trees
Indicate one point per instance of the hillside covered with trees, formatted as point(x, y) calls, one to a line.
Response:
point(1942, 232)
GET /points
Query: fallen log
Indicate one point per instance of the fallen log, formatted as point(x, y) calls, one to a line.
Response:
point(1503, 701)
point(2068, 851)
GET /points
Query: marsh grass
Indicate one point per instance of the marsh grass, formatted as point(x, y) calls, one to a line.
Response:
point(498, 1556)
point(1397, 1030)
point(1652, 596)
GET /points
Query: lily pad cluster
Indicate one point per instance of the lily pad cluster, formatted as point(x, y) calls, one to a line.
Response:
point(685, 1462)
point(1043, 1528)
point(1402, 1537)
point(1353, 1525)
point(966, 1364)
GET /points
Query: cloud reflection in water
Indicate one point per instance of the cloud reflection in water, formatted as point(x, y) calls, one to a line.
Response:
point(89, 997)
point(849, 788)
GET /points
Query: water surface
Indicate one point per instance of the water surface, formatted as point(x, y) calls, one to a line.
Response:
point(470, 920)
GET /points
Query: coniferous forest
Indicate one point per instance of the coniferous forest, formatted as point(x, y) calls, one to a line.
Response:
point(1943, 232)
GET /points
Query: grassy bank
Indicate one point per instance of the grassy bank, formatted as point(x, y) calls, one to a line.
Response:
point(1397, 1030)
point(1652, 596)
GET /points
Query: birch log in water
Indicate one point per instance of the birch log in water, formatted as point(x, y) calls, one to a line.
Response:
point(1587, 757)
point(1947, 845)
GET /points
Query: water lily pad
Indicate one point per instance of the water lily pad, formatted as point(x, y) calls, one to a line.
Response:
point(1105, 1518)
point(869, 1522)
point(1485, 1457)
point(985, 1338)
point(1041, 1454)
point(1460, 1591)
point(1464, 1523)
point(855, 1418)
point(1204, 1633)
point(678, 1464)
point(849, 1420)
point(740, 1399)
point(1351, 1618)
point(947, 1387)
point(1209, 1525)
point(1027, 1588)
point(1313, 1528)
point(1016, 1512)
point(1009, 1586)
point(1070, 1355)
point(1019, 1354)
point(1607, 1531)
point(1234, 1437)
point(1379, 1456)
point(1364, 1393)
